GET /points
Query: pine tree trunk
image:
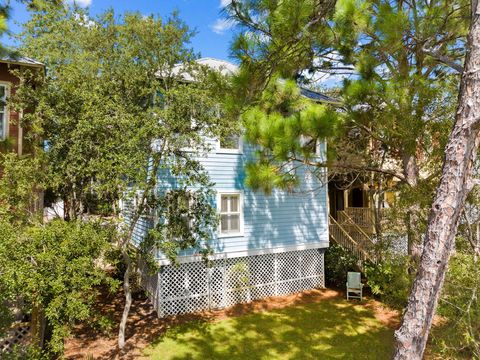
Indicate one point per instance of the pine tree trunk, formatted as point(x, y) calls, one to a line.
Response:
point(455, 183)
point(410, 171)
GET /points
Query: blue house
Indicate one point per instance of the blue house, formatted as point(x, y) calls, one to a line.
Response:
point(265, 245)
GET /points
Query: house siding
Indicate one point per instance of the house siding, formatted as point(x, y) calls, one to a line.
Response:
point(273, 223)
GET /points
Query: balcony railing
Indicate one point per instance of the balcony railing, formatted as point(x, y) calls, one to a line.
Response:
point(362, 216)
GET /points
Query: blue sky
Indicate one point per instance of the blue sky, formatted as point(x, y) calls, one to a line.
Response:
point(214, 33)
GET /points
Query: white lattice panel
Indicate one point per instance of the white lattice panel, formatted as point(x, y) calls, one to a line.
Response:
point(18, 335)
point(192, 287)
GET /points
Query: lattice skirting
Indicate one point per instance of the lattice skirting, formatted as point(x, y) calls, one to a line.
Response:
point(192, 287)
point(18, 335)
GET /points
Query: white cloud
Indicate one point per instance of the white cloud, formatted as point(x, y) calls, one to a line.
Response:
point(82, 3)
point(224, 3)
point(84, 20)
point(328, 78)
point(222, 25)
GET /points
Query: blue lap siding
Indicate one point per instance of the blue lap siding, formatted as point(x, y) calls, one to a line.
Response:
point(277, 222)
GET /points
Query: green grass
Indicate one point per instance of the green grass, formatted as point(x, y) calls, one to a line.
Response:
point(328, 329)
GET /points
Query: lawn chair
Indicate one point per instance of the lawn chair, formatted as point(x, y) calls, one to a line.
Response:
point(354, 285)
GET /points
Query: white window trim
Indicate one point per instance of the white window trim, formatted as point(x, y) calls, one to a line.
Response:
point(219, 204)
point(318, 143)
point(6, 123)
point(221, 150)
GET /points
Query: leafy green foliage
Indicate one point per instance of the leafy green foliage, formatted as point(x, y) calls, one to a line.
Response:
point(55, 267)
point(390, 280)
point(338, 262)
point(22, 353)
point(460, 305)
point(20, 184)
point(97, 106)
point(186, 218)
point(113, 108)
point(117, 114)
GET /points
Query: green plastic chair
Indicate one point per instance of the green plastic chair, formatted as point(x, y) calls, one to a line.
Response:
point(354, 285)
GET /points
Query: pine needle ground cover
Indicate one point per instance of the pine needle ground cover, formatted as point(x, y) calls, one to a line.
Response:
point(328, 329)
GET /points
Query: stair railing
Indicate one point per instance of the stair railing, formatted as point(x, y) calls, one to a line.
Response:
point(343, 238)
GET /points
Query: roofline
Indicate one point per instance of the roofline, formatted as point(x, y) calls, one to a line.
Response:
point(217, 59)
point(38, 65)
point(324, 101)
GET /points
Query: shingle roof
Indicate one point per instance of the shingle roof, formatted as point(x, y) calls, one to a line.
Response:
point(16, 59)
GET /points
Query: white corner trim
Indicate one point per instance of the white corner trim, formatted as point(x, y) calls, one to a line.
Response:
point(253, 252)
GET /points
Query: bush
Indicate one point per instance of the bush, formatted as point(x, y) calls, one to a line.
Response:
point(390, 280)
point(460, 306)
point(338, 262)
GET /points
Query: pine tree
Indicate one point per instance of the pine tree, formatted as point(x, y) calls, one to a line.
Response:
point(398, 103)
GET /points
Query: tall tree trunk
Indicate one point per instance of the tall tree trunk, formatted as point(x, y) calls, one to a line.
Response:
point(455, 184)
point(37, 325)
point(410, 170)
point(125, 242)
point(128, 300)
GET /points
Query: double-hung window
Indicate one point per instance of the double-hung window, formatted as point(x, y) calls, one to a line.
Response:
point(231, 216)
point(3, 111)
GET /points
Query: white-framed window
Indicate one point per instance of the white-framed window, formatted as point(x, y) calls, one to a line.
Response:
point(4, 89)
point(230, 145)
point(230, 208)
point(311, 144)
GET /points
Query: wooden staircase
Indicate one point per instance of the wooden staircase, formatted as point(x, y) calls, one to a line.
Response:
point(353, 235)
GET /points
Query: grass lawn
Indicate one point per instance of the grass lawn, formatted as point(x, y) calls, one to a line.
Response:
point(328, 329)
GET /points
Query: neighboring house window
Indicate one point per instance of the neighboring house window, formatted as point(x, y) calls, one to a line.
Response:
point(3, 111)
point(230, 144)
point(231, 214)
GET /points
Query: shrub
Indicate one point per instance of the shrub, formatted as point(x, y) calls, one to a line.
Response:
point(460, 306)
point(390, 280)
point(338, 262)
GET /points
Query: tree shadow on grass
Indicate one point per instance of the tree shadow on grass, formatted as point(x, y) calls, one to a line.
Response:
point(330, 329)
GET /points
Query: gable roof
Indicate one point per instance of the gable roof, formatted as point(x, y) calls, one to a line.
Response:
point(222, 66)
point(228, 68)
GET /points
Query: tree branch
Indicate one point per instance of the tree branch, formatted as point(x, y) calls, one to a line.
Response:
point(443, 59)
point(352, 168)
